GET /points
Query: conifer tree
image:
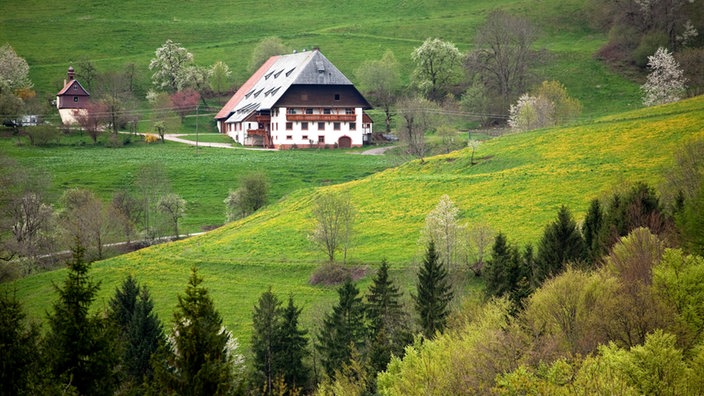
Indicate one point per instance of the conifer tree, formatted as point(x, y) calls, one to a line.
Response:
point(291, 349)
point(77, 345)
point(508, 273)
point(387, 319)
point(593, 223)
point(18, 345)
point(197, 362)
point(561, 243)
point(433, 294)
point(343, 329)
point(266, 320)
point(140, 331)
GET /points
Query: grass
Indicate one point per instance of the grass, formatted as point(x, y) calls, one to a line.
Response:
point(202, 176)
point(517, 187)
point(112, 35)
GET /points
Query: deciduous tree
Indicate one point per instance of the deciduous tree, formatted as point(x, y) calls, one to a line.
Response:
point(417, 116)
point(437, 67)
point(442, 227)
point(170, 59)
point(666, 82)
point(174, 208)
point(381, 82)
point(334, 220)
point(14, 70)
point(220, 78)
point(251, 196)
point(504, 57)
point(266, 48)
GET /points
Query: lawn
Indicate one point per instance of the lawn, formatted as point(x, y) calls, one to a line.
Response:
point(203, 176)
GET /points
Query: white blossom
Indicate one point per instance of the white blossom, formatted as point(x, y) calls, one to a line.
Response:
point(666, 81)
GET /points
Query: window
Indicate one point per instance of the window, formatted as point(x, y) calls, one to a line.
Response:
point(321, 126)
point(75, 87)
point(75, 99)
point(321, 138)
point(290, 111)
point(327, 111)
point(289, 126)
point(336, 126)
point(353, 126)
point(337, 96)
point(304, 137)
point(304, 126)
point(349, 111)
point(289, 137)
point(309, 111)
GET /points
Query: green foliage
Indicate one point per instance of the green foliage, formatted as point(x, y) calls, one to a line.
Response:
point(433, 294)
point(388, 321)
point(292, 349)
point(18, 347)
point(78, 347)
point(249, 197)
point(343, 329)
point(140, 332)
point(508, 273)
point(678, 279)
point(562, 243)
point(437, 67)
point(593, 222)
point(199, 360)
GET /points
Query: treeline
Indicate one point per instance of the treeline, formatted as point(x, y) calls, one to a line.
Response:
point(35, 234)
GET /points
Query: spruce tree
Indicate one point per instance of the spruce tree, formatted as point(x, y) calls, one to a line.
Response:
point(593, 223)
point(266, 321)
point(561, 243)
point(140, 331)
point(197, 362)
point(433, 293)
point(389, 333)
point(291, 349)
point(343, 329)
point(78, 346)
point(18, 345)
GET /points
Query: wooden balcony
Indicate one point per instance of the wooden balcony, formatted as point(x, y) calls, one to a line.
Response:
point(263, 118)
point(321, 117)
point(258, 132)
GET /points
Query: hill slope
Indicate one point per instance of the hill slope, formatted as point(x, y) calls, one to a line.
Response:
point(111, 35)
point(517, 187)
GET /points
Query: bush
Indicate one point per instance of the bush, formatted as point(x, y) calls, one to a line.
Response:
point(335, 274)
point(42, 135)
point(150, 138)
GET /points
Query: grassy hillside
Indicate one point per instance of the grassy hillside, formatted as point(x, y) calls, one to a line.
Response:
point(203, 176)
point(53, 35)
point(517, 187)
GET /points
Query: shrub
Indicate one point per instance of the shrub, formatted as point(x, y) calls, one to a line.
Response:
point(150, 138)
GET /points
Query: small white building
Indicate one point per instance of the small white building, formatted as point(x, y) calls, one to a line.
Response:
point(72, 100)
point(297, 100)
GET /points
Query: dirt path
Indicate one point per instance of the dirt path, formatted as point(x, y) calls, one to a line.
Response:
point(176, 138)
point(377, 151)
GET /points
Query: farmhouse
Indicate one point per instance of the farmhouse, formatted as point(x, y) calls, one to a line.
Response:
point(297, 100)
point(72, 100)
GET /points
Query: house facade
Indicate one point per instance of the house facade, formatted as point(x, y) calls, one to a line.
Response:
point(72, 100)
point(297, 100)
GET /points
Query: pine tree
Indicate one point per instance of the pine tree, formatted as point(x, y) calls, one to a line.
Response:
point(389, 332)
point(593, 223)
point(508, 273)
point(141, 332)
point(266, 320)
point(78, 344)
point(433, 294)
point(561, 243)
point(291, 349)
point(197, 362)
point(18, 345)
point(343, 329)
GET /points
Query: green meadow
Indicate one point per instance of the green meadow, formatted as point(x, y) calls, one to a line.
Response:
point(53, 35)
point(202, 176)
point(517, 186)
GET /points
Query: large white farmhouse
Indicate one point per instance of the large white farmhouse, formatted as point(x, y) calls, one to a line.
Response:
point(297, 100)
